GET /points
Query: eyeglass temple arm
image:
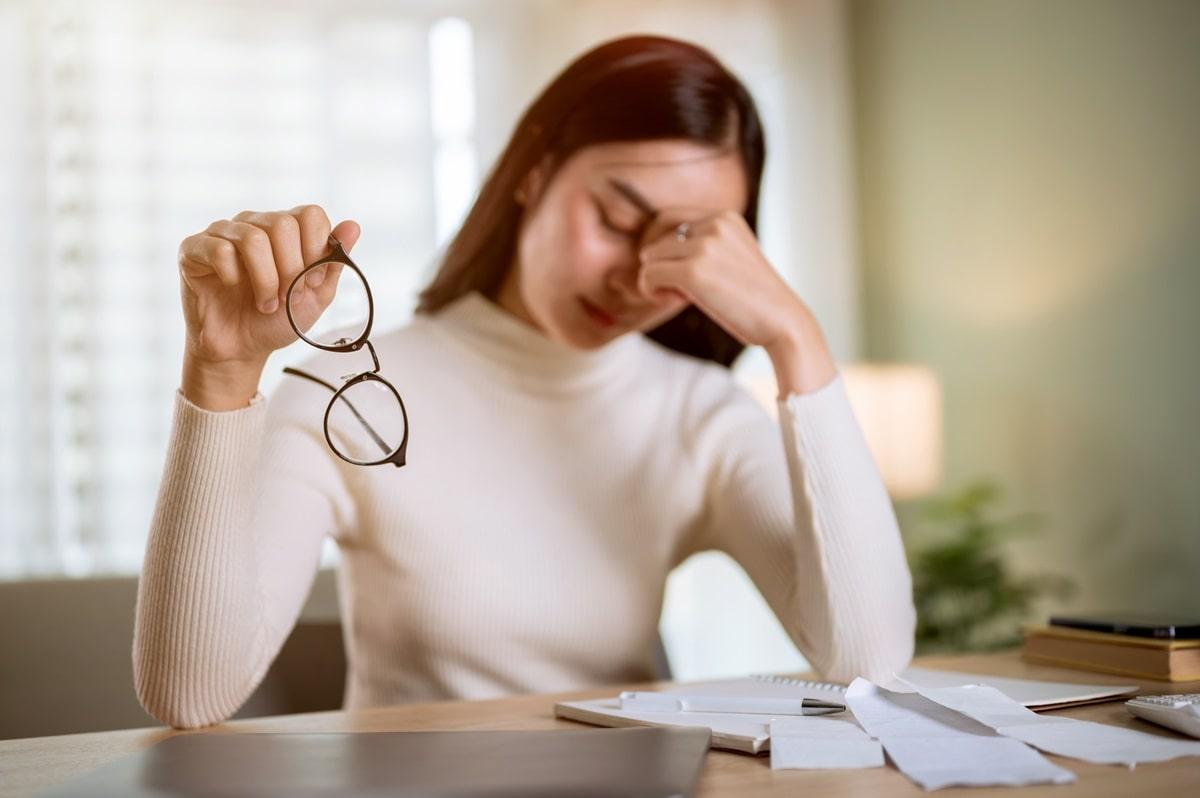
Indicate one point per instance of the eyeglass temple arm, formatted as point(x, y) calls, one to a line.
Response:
point(383, 447)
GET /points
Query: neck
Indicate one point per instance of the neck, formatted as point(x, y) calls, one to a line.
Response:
point(509, 298)
point(519, 353)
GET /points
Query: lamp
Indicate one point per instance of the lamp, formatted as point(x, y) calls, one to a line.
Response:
point(899, 408)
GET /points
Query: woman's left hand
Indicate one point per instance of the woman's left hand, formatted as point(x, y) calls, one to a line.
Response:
point(716, 264)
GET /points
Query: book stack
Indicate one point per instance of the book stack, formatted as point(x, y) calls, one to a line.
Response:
point(1126, 655)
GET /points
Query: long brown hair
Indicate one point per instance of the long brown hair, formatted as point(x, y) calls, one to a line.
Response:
point(636, 88)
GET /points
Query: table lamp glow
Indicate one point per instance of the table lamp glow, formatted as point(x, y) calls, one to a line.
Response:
point(899, 407)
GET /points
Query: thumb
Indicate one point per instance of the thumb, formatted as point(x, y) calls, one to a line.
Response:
point(347, 232)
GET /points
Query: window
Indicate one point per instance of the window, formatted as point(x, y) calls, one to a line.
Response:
point(131, 124)
point(134, 125)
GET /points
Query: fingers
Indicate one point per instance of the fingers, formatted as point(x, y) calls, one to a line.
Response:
point(669, 260)
point(314, 232)
point(347, 234)
point(270, 248)
point(323, 282)
point(256, 258)
point(668, 248)
point(666, 258)
point(672, 275)
point(202, 254)
point(678, 244)
point(666, 221)
point(283, 230)
point(673, 236)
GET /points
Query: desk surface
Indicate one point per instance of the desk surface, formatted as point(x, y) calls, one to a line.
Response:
point(30, 765)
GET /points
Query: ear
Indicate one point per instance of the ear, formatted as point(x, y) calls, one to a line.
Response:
point(530, 189)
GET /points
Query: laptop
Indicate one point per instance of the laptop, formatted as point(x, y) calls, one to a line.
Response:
point(632, 763)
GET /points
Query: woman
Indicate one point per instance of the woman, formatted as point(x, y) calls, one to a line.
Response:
point(576, 432)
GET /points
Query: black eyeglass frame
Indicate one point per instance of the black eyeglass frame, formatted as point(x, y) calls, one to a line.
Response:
point(397, 458)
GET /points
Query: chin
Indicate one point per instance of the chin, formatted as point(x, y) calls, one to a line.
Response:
point(577, 333)
point(587, 339)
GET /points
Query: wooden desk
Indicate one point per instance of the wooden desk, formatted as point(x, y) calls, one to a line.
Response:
point(27, 766)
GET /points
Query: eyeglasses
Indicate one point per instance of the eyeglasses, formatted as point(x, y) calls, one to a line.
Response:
point(366, 422)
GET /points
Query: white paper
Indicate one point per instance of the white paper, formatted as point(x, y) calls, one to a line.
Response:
point(938, 747)
point(821, 742)
point(737, 731)
point(741, 732)
point(1098, 743)
point(1027, 692)
point(762, 688)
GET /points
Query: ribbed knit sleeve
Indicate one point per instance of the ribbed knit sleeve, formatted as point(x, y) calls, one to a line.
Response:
point(245, 500)
point(814, 528)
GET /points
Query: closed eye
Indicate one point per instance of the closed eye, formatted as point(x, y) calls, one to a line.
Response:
point(613, 228)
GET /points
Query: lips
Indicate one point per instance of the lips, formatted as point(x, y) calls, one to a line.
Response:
point(599, 315)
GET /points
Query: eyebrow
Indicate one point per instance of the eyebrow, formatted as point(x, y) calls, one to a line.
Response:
point(630, 193)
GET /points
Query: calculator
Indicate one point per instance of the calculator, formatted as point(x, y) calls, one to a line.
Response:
point(1178, 712)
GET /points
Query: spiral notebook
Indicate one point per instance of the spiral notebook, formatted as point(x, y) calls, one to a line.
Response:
point(752, 733)
point(738, 732)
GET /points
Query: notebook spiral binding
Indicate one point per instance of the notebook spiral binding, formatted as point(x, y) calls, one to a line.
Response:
point(769, 677)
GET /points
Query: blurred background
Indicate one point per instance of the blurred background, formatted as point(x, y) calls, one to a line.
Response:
point(993, 207)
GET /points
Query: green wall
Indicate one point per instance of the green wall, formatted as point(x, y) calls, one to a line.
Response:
point(1029, 181)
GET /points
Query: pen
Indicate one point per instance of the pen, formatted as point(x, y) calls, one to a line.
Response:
point(682, 702)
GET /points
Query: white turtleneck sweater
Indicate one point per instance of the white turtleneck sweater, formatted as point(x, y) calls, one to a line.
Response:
point(525, 547)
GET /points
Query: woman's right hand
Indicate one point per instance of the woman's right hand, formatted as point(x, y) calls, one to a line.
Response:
point(234, 278)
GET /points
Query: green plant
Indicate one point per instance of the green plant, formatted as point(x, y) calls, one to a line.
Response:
point(966, 597)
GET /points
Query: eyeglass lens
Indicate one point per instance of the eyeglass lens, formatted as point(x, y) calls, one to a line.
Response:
point(336, 310)
point(365, 422)
point(330, 306)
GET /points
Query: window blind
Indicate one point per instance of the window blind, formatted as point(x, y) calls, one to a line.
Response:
point(131, 124)
point(135, 124)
